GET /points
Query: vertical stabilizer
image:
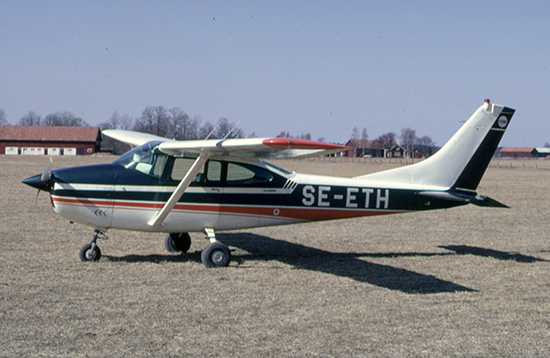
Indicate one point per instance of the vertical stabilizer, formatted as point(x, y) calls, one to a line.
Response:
point(462, 161)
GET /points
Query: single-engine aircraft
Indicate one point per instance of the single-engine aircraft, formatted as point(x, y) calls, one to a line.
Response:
point(176, 187)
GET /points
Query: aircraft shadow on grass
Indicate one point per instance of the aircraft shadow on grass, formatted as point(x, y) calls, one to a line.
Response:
point(499, 255)
point(258, 247)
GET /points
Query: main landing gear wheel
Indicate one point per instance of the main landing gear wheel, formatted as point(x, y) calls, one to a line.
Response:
point(177, 242)
point(216, 254)
point(90, 252)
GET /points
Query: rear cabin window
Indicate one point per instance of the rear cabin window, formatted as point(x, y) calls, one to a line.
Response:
point(211, 172)
point(242, 174)
point(216, 172)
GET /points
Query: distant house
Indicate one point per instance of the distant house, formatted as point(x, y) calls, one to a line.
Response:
point(518, 152)
point(361, 148)
point(17, 140)
point(543, 152)
point(417, 153)
point(396, 152)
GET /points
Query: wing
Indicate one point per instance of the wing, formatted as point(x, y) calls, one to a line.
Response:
point(132, 138)
point(278, 148)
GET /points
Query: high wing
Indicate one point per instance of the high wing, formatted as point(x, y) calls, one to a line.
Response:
point(273, 148)
point(278, 148)
point(132, 138)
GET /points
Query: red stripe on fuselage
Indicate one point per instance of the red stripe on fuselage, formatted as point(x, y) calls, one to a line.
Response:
point(296, 213)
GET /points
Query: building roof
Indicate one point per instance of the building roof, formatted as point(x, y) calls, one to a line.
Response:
point(49, 134)
point(543, 150)
point(517, 149)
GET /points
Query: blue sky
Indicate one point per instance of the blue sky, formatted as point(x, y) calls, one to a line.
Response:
point(321, 67)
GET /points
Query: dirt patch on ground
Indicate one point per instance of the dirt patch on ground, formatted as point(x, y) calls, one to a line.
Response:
point(462, 282)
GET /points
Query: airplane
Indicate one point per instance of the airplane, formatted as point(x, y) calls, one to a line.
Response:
point(176, 187)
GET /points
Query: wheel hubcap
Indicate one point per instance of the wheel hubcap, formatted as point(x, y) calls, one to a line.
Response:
point(218, 257)
point(90, 254)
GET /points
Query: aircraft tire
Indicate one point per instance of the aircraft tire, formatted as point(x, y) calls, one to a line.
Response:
point(177, 242)
point(216, 254)
point(87, 254)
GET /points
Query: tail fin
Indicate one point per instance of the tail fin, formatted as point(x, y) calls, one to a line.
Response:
point(462, 161)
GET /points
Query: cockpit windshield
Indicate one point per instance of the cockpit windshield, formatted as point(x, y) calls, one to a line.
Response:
point(146, 158)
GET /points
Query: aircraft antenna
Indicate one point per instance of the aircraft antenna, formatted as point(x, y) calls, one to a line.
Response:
point(216, 127)
point(232, 129)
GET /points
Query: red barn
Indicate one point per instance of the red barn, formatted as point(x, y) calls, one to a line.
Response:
point(49, 140)
point(518, 152)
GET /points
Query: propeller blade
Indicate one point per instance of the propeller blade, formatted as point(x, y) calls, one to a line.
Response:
point(36, 199)
point(46, 172)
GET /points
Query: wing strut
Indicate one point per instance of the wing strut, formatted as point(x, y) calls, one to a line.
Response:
point(184, 184)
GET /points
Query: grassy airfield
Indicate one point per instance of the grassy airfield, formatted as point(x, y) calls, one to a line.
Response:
point(463, 282)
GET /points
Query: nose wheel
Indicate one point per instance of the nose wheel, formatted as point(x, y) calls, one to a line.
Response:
point(91, 252)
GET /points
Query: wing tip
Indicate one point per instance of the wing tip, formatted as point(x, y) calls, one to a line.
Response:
point(292, 143)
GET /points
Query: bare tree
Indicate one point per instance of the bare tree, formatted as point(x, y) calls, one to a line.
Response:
point(384, 141)
point(364, 134)
point(354, 139)
point(283, 134)
point(181, 124)
point(426, 145)
point(154, 120)
point(408, 140)
point(364, 138)
point(116, 121)
point(63, 119)
point(206, 130)
point(30, 119)
point(3, 118)
point(355, 133)
point(227, 129)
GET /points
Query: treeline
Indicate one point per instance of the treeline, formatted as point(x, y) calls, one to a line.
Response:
point(408, 140)
point(177, 124)
point(170, 123)
point(158, 120)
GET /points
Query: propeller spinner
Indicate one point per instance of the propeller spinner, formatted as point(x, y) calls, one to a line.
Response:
point(41, 181)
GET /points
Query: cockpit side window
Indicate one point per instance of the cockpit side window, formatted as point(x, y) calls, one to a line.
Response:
point(147, 159)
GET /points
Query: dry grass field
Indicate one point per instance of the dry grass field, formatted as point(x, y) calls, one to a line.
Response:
point(463, 282)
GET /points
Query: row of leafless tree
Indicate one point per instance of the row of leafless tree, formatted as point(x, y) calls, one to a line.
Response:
point(408, 140)
point(175, 123)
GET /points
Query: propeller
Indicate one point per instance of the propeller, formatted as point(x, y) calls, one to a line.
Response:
point(40, 181)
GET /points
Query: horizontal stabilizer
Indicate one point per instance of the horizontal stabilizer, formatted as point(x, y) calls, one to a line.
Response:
point(453, 195)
